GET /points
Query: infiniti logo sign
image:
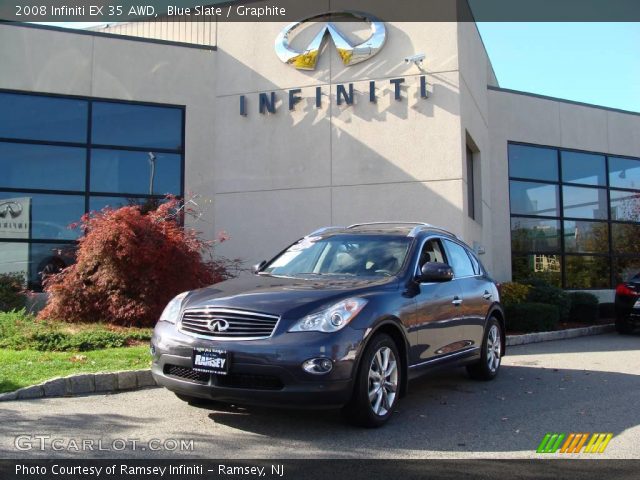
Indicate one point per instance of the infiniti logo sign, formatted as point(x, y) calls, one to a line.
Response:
point(218, 325)
point(350, 54)
point(13, 209)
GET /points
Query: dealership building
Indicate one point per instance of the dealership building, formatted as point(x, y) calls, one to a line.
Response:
point(275, 130)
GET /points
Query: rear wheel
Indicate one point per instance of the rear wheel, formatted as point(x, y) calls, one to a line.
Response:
point(489, 364)
point(377, 384)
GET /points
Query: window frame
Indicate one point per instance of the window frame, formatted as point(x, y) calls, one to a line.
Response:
point(562, 252)
point(88, 145)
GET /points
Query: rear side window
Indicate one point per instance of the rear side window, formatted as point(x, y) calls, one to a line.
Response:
point(459, 260)
point(476, 264)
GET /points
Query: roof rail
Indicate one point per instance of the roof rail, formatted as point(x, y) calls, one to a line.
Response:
point(414, 231)
point(389, 223)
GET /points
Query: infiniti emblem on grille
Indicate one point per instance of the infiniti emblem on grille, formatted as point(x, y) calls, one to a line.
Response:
point(218, 325)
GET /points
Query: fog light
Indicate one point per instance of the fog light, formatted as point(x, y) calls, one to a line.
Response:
point(317, 366)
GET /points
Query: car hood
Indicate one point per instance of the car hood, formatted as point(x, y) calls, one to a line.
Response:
point(284, 296)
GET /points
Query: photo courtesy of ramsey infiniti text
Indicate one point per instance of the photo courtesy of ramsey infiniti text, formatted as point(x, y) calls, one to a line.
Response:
point(342, 318)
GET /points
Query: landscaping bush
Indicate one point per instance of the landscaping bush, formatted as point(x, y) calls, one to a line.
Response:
point(512, 293)
point(11, 292)
point(584, 307)
point(532, 317)
point(607, 310)
point(129, 265)
point(543, 292)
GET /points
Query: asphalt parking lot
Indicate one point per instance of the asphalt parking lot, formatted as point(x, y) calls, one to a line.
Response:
point(588, 384)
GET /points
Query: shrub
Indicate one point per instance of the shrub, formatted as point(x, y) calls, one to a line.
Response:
point(584, 307)
point(532, 317)
point(512, 293)
point(543, 292)
point(11, 292)
point(129, 265)
point(607, 310)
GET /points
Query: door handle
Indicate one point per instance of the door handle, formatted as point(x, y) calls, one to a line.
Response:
point(457, 301)
point(487, 295)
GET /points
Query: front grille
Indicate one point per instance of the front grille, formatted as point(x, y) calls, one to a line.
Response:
point(240, 324)
point(185, 372)
point(255, 382)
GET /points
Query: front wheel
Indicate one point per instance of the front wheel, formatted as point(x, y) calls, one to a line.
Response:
point(377, 384)
point(489, 364)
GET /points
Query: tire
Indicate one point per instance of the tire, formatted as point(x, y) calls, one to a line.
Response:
point(622, 327)
point(372, 404)
point(488, 366)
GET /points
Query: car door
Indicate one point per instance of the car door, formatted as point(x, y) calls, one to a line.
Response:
point(437, 307)
point(475, 295)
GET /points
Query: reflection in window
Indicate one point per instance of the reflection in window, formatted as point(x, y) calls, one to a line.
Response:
point(97, 203)
point(624, 268)
point(624, 173)
point(42, 166)
point(41, 216)
point(48, 259)
point(128, 125)
point(583, 168)
point(625, 238)
point(459, 260)
point(36, 117)
point(625, 206)
point(582, 202)
point(532, 234)
point(121, 171)
point(542, 266)
point(529, 198)
point(587, 272)
point(533, 162)
point(586, 237)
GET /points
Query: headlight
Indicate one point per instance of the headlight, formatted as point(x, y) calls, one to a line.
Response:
point(172, 310)
point(331, 319)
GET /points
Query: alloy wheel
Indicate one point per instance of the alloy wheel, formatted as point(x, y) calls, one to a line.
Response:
point(494, 348)
point(383, 381)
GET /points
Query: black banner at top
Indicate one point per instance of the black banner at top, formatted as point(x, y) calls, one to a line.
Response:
point(112, 11)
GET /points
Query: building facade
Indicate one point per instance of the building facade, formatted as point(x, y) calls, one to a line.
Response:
point(270, 152)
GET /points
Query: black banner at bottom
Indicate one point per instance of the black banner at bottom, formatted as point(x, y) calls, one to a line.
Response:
point(337, 469)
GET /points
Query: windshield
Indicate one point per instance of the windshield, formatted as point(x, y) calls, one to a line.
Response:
point(354, 255)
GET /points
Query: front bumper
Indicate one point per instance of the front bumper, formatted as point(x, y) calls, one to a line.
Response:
point(262, 372)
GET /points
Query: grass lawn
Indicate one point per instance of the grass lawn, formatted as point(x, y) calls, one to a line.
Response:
point(21, 368)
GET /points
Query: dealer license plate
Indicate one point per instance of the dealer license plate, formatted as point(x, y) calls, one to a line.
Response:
point(210, 360)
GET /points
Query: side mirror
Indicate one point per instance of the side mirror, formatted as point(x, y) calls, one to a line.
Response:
point(435, 272)
point(258, 266)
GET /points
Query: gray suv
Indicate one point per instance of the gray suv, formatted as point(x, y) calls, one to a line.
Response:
point(343, 317)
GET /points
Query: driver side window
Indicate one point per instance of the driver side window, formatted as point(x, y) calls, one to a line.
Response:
point(432, 252)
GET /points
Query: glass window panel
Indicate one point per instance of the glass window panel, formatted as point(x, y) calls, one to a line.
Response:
point(121, 171)
point(39, 215)
point(542, 266)
point(129, 125)
point(625, 205)
point(459, 260)
point(36, 117)
point(625, 237)
point(584, 168)
point(586, 237)
point(529, 198)
point(582, 202)
point(47, 259)
point(587, 272)
point(533, 162)
point(42, 166)
point(97, 203)
point(624, 172)
point(624, 268)
point(532, 234)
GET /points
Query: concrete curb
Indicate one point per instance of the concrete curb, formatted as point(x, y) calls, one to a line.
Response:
point(513, 340)
point(85, 383)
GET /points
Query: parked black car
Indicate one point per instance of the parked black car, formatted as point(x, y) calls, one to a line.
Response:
point(343, 317)
point(627, 305)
